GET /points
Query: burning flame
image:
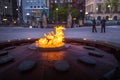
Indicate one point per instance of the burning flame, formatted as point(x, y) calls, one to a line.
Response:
point(52, 39)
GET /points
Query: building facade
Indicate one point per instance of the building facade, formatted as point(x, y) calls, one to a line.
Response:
point(96, 9)
point(32, 10)
point(6, 11)
point(14, 10)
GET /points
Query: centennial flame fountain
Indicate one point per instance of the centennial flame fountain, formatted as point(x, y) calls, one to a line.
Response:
point(54, 40)
point(53, 56)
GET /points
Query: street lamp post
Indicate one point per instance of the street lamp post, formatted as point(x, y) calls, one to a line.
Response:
point(86, 15)
point(5, 11)
point(57, 14)
point(96, 11)
point(74, 19)
point(20, 18)
point(6, 7)
point(109, 6)
point(27, 14)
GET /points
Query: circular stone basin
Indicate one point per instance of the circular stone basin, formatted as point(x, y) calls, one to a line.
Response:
point(52, 64)
point(34, 47)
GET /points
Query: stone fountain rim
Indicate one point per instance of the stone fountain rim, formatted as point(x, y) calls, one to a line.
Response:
point(113, 49)
point(34, 47)
point(78, 40)
point(68, 40)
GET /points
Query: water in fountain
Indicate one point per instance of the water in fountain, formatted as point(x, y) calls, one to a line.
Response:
point(44, 21)
point(69, 20)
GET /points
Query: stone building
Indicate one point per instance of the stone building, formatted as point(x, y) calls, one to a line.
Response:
point(5, 11)
point(32, 9)
point(95, 9)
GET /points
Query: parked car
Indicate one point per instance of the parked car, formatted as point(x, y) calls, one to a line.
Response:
point(88, 22)
point(112, 22)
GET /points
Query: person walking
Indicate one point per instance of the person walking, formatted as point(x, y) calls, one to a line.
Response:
point(103, 26)
point(94, 25)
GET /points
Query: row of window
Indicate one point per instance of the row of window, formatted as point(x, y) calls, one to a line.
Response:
point(37, 6)
point(107, 18)
point(35, 1)
point(60, 1)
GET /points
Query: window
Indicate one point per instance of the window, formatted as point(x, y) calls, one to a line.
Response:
point(27, 0)
point(34, 6)
point(61, 1)
point(31, 6)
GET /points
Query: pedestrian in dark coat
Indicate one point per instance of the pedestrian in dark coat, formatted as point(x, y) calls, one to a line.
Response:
point(94, 26)
point(103, 26)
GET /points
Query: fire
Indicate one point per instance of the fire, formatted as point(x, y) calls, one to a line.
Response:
point(52, 39)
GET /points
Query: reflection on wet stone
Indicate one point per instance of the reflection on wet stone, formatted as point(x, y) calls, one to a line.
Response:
point(53, 56)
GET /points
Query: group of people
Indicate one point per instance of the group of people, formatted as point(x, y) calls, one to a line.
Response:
point(103, 26)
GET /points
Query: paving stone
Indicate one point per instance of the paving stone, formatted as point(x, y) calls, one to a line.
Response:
point(67, 46)
point(61, 66)
point(95, 53)
point(109, 74)
point(6, 59)
point(9, 48)
point(32, 47)
point(26, 65)
point(3, 52)
point(89, 47)
point(87, 60)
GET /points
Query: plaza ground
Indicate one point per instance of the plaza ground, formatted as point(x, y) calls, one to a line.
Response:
point(17, 33)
